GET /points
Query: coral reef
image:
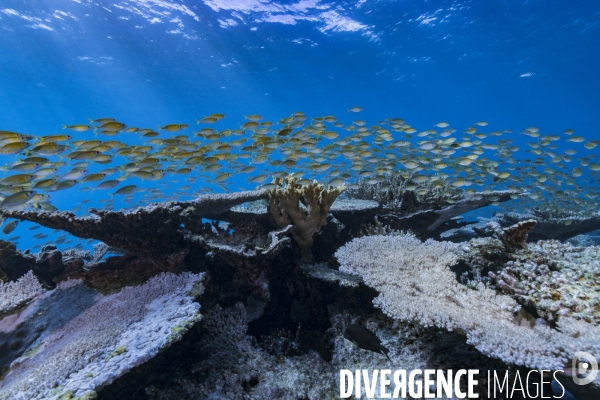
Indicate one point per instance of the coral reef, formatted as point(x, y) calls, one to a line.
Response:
point(354, 213)
point(274, 325)
point(303, 206)
point(415, 284)
point(13, 263)
point(426, 223)
point(105, 340)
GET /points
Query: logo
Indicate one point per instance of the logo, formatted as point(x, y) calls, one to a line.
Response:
point(584, 363)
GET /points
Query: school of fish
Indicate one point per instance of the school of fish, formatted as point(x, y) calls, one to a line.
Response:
point(174, 161)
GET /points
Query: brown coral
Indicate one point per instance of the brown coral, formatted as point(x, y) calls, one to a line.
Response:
point(515, 236)
point(303, 206)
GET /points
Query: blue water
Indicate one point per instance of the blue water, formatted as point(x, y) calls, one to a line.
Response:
point(149, 62)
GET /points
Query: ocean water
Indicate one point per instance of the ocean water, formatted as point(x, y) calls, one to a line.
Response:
point(158, 62)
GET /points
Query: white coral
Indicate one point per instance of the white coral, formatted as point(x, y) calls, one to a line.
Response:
point(18, 293)
point(118, 332)
point(415, 284)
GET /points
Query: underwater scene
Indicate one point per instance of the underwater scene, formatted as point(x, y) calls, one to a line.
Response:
point(304, 199)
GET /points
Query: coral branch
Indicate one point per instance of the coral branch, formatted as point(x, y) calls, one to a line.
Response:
point(303, 206)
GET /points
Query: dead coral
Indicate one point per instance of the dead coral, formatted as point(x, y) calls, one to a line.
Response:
point(554, 224)
point(393, 195)
point(14, 263)
point(250, 255)
point(303, 206)
point(515, 236)
point(149, 231)
point(426, 222)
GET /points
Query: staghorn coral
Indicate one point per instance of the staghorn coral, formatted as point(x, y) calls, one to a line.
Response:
point(105, 339)
point(303, 206)
point(415, 284)
point(377, 228)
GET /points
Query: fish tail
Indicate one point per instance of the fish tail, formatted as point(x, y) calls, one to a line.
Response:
point(159, 127)
point(64, 126)
point(197, 122)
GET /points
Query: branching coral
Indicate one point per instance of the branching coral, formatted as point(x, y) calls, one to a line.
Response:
point(303, 206)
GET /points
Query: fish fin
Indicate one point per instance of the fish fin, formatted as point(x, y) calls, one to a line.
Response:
point(64, 126)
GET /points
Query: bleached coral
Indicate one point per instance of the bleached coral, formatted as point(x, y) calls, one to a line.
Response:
point(18, 293)
point(106, 340)
point(415, 284)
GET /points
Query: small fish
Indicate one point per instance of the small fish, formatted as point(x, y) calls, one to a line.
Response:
point(258, 179)
point(365, 339)
point(77, 128)
point(207, 120)
point(108, 184)
point(13, 148)
point(16, 199)
point(18, 179)
point(101, 121)
point(62, 185)
point(112, 126)
point(528, 74)
point(355, 109)
point(173, 127)
point(336, 182)
point(126, 189)
point(8, 228)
